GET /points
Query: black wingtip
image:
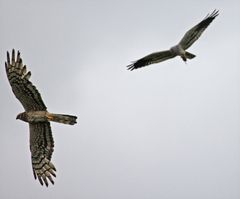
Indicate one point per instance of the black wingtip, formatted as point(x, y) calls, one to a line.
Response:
point(207, 20)
point(8, 58)
point(213, 15)
point(18, 56)
point(13, 54)
point(40, 180)
point(130, 67)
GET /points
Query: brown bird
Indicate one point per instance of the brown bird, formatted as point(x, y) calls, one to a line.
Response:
point(36, 114)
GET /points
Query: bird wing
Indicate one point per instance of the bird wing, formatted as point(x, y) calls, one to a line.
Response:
point(23, 89)
point(41, 146)
point(151, 59)
point(194, 33)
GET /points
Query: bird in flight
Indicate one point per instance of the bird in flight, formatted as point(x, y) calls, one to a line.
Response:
point(36, 114)
point(180, 49)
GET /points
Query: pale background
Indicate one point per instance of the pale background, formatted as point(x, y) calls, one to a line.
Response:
point(170, 130)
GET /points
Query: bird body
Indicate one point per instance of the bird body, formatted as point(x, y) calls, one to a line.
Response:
point(179, 51)
point(45, 116)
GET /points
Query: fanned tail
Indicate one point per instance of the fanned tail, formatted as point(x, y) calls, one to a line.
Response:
point(61, 118)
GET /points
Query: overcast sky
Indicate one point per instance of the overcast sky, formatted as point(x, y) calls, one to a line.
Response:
point(169, 130)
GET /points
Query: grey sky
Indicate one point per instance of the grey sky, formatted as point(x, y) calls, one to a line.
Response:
point(170, 130)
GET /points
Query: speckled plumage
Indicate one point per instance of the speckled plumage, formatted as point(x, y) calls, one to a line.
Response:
point(36, 114)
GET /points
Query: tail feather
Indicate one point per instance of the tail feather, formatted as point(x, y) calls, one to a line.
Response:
point(61, 118)
point(189, 55)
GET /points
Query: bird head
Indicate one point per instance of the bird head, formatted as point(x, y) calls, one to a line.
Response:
point(22, 116)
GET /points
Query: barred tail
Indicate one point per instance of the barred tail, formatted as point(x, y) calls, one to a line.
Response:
point(189, 55)
point(65, 119)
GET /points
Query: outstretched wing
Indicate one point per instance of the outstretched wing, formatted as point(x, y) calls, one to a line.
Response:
point(194, 33)
point(41, 146)
point(23, 89)
point(151, 59)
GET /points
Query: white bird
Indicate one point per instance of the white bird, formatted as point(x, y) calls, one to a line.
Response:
point(180, 49)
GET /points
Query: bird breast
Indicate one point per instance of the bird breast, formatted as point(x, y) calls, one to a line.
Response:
point(177, 50)
point(37, 116)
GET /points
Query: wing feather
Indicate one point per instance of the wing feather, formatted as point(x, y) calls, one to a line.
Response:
point(41, 147)
point(151, 59)
point(194, 33)
point(23, 89)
